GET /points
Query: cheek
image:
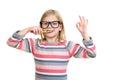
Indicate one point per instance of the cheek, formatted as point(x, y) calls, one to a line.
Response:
point(57, 31)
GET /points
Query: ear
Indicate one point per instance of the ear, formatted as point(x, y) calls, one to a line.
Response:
point(60, 28)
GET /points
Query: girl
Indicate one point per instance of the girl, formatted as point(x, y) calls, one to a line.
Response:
point(52, 52)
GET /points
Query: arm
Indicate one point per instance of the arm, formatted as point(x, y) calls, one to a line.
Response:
point(78, 51)
point(89, 50)
point(17, 39)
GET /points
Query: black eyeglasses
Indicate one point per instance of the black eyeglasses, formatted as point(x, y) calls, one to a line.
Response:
point(54, 24)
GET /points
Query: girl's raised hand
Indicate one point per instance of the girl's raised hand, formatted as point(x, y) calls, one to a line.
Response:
point(82, 25)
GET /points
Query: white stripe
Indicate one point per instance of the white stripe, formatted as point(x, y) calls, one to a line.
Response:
point(17, 46)
point(53, 46)
point(14, 39)
point(90, 46)
point(30, 45)
point(51, 59)
point(50, 73)
point(66, 43)
point(77, 49)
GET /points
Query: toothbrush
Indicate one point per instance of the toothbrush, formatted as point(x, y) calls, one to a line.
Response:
point(44, 31)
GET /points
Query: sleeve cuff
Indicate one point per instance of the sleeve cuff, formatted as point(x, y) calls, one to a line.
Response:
point(16, 36)
point(88, 42)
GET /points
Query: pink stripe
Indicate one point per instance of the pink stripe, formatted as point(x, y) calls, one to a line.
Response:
point(20, 46)
point(74, 49)
point(51, 56)
point(59, 44)
point(12, 42)
point(50, 70)
point(84, 53)
point(50, 67)
point(53, 53)
point(93, 48)
point(32, 44)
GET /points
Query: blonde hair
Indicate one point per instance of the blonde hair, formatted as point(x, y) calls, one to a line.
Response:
point(61, 35)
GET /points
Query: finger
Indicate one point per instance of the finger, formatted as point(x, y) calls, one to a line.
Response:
point(36, 31)
point(82, 19)
point(39, 31)
point(77, 24)
point(31, 30)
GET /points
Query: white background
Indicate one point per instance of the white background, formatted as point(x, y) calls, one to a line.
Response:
point(104, 23)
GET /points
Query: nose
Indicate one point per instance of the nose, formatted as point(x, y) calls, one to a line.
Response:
point(49, 25)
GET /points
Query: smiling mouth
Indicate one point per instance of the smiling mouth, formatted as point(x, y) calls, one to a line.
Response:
point(47, 31)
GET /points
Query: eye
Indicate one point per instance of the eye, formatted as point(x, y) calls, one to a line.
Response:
point(44, 23)
point(55, 23)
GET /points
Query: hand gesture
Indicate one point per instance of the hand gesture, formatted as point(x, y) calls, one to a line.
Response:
point(82, 25)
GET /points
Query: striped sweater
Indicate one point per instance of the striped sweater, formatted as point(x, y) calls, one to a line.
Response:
point(51, 59)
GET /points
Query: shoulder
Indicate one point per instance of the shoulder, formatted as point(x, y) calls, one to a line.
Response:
point(67, 42)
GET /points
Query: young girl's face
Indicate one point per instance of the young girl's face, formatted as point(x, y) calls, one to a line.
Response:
point(51, 24)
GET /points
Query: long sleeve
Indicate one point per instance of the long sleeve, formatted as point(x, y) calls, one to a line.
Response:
point(17, 41)
point(76, 50)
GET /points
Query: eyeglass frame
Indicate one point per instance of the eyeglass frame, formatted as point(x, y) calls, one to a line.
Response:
point(50, 23)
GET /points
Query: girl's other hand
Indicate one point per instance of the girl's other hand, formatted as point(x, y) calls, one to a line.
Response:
point(35, 30)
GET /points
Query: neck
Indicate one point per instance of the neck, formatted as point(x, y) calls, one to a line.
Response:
point(52, 39)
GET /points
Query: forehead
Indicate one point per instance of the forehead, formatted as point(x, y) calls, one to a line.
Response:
point(50, 18)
